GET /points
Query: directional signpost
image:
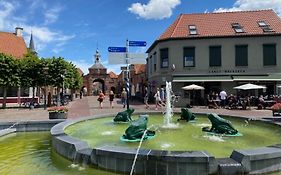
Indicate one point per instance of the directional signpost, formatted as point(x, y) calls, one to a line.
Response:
point(137, 43)
point(116, 49)
point(120, 55)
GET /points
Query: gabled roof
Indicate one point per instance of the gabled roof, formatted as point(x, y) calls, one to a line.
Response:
point(12, 45)
point(220, 25)
point(112, 75)
point(81, 73)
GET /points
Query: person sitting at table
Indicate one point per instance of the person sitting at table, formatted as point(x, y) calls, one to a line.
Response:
point(232, 102)
point(211, 103)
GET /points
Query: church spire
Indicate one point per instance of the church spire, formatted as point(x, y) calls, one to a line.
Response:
point(31, 44)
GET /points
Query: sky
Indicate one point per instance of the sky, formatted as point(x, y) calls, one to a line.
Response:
point(74, 29)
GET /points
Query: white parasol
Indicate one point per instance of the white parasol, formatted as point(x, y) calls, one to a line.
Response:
point(249, 86)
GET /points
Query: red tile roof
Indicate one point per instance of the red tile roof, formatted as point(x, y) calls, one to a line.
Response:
point(219, 24)
point(10, 44)
point(80, 71)
point(139, 68)
point(112, 75)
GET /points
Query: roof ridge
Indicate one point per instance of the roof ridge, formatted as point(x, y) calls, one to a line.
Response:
point(238, 11)
point(7, 33)
point(178, 21)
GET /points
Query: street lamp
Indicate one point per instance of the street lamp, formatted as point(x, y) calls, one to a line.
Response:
point(45, 69)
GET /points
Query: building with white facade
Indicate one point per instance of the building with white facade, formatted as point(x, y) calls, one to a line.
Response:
point(218, 51)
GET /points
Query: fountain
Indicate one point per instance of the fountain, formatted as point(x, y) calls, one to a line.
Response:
point(168, 114)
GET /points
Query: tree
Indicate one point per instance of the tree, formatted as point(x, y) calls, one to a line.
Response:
point(9, 74)
point(31, 72)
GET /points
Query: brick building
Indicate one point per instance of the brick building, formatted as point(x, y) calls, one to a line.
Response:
point(98, 78)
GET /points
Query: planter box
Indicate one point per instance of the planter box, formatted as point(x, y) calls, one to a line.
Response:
point(57, 115)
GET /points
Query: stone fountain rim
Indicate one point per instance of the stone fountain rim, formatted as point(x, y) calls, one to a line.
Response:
point(62, 142)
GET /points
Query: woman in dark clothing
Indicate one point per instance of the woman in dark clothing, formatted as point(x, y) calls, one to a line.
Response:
point(111, 97)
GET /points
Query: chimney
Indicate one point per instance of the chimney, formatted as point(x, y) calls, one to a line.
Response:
point(18, 31)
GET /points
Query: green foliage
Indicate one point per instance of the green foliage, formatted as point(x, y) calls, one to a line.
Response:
point(61, 71)
point(31, 70)
point(9, 71)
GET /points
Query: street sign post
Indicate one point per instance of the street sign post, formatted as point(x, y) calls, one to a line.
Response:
point(137, 43)
point(117, 49)
point(121, 55)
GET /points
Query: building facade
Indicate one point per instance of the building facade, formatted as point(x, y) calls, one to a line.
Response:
point(218, 51)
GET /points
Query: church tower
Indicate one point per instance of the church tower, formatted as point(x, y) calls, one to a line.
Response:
point(31, 45)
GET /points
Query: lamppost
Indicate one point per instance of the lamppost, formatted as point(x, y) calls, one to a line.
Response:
point(45, 69)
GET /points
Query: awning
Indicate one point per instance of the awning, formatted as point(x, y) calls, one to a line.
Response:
point(270, 77)
point(201, 78)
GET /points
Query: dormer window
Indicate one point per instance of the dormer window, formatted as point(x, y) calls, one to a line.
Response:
point(265, 26)
point(192, 30)
point(237, 28)
point(262, 24)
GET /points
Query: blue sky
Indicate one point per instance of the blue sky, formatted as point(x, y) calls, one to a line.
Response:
point(73, 29)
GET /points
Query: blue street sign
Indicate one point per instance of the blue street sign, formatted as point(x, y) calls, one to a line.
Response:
point(116, 49)
point(137, 43)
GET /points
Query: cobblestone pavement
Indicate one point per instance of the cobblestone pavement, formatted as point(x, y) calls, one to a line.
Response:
point(89, 106)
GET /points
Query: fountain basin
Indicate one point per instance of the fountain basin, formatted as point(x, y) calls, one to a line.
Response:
point(151, 161)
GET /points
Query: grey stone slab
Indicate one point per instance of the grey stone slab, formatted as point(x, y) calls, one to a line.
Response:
point(263, 159)
point(122, 152)
point(68, 146)
point(83, 156)
point(59, 128)
point(7, 131)
point(228, 166)
point(180, 156)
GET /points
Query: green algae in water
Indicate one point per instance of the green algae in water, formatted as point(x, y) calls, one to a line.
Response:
point(187, 137)
point(30, 153)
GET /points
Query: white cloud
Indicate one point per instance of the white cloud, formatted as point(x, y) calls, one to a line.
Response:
point(43, 35)
point(154, 9)
point(6, 9)
point(51, 15)
point(254, 5)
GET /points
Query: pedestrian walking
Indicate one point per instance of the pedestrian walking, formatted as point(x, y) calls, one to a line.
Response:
point(157, 99)
point(124, 97)
point(111, 98)
point(146, 96)
point(100, 99)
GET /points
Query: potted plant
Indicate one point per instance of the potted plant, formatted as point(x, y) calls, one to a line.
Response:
point(57, 112)
point(276, 109)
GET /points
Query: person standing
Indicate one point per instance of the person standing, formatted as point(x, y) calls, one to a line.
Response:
point(111, 98)
point(101, 98)
point(223, 96)
point(124, 97)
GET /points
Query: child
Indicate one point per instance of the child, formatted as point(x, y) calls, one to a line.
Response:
point(101, 98)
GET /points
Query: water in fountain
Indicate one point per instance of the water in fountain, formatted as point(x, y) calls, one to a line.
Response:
point(136, 156)
point(169, 108)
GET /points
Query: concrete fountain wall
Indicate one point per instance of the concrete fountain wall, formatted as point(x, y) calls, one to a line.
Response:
point(157, 162)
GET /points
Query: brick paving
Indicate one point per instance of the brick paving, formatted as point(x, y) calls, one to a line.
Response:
point(89, 106)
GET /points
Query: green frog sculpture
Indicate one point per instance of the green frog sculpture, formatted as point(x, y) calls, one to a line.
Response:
point(124, 116)
point(136, 130)
point(220, 126)
point(186, 115)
